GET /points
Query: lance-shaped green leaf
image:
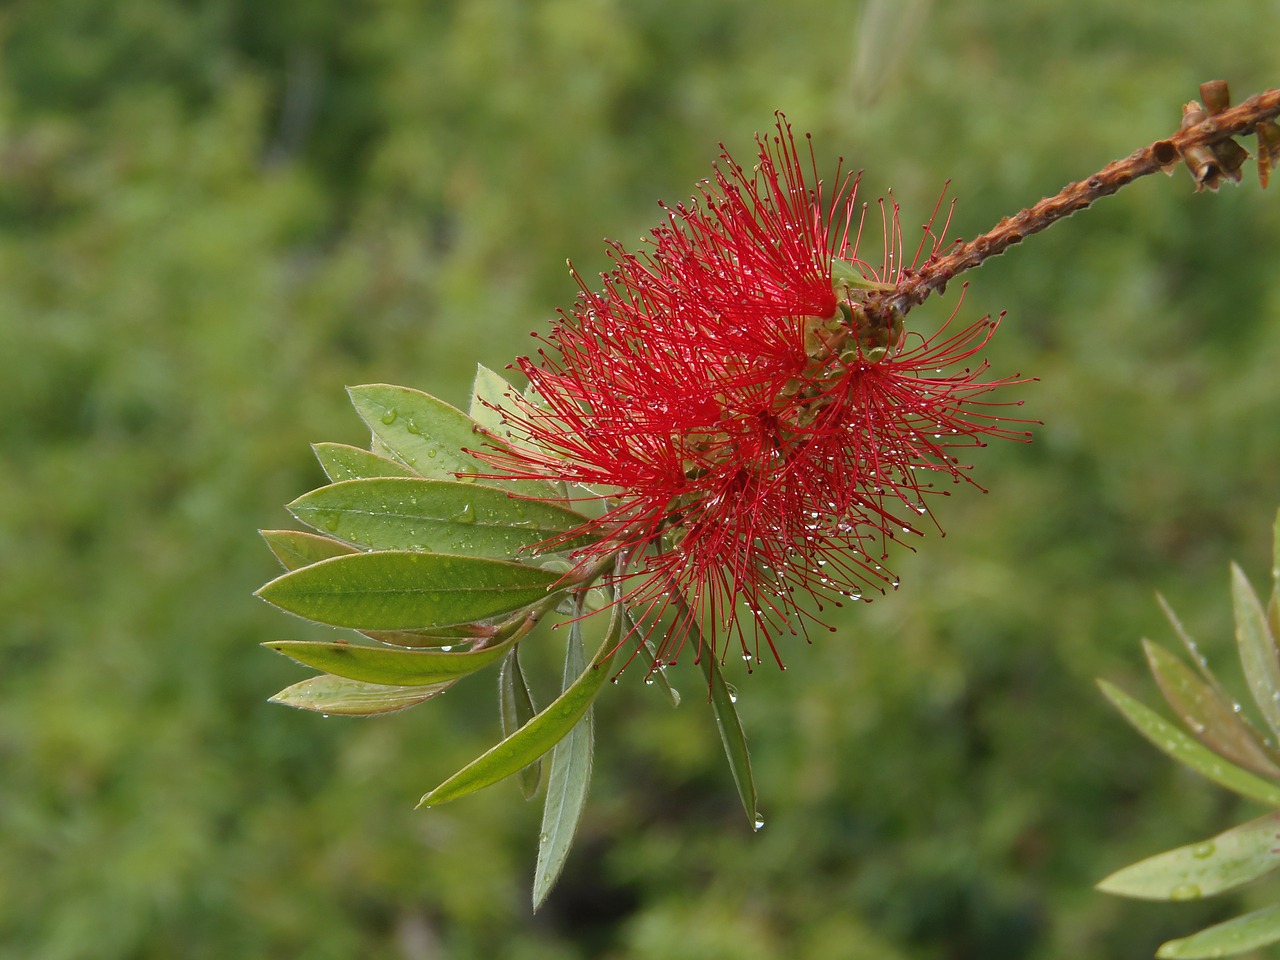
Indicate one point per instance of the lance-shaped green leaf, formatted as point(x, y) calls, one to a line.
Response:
point(1273, 605)
point(439, 637)
point(1209, 716)
point(1193, 650)
point(1248, 932)
point(515, 709)
point(403, 590)
point(411, 668)
point(444, 516)
point(295, 549)
point(417, 429)
point(1172, 741)
point(567, 782)
point(1258, 654)
point(1229, 860)
point(537, 736)
point(490, 396)
point(723, 701)
point(353, 698)
point(340, 461)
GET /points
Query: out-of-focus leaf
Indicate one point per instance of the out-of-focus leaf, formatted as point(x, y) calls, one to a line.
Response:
point(393, 667)
point(567, 782)
point(537, 736)
point(1193, 651)
point(515, 709)
point(1258, 654)
point(1172, 741)
point(1248, 932)
point(444, 516)
point(1229, 860)
point(341, 461)
point(353, 698)
point(403, 590)
point(295, 549)
point(1273, 605)
point(1210, 717)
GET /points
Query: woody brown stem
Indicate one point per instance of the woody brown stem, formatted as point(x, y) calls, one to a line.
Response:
point(934, 275)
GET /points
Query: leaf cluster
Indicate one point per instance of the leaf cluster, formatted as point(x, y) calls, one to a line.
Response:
point(447, 569)
point(1218, 741)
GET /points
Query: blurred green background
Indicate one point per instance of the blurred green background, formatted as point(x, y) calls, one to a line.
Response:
point(214, 215)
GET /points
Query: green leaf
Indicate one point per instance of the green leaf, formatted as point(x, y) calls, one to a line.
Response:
point(537, 736)
point(1209, 716)
point(1275, 556)
point(567, 783)
point(295, 549)
point(429, 435)
point(399, 590)
point(1258, 654)
point(1193, 651)
point(1229, 860)
point(352, 698)
point(393, 667)
point(733, 737)
point(490, 396)
point(1273, 605)
point(444, 516)
point(420, 431)
point(341, 461)
point(1249, 932)
point(1172, 741)
point(515, 709)
point(439, 637)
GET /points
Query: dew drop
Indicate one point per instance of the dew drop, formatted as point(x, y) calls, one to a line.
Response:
point(413, 428)
point(1204, 850)
point(759, 825)
point(733, 691)
point(1185, 891)
point(446, 649)
point(389, 416)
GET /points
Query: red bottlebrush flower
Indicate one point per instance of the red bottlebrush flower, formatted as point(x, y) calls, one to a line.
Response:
point(755, 435)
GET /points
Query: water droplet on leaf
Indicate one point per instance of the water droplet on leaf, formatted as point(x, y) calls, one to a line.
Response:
point(1206, 849)
point(1185, 891)
point(389, 416)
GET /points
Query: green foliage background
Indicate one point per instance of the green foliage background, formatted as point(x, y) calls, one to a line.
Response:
point(215, 215)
